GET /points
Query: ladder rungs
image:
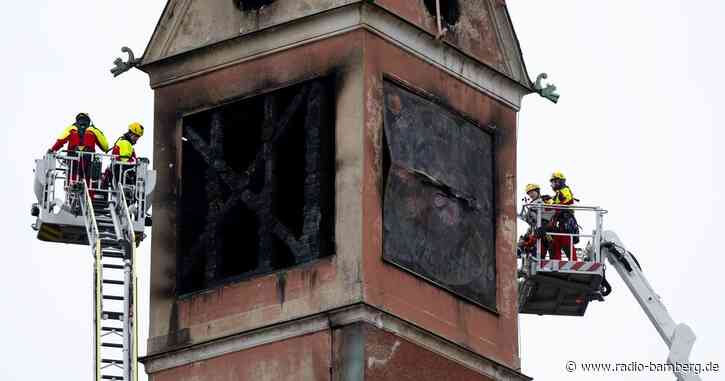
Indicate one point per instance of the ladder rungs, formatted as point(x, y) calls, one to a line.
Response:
point(109, 260)
point(112, 254)
point(111, 315)
point(113, 251)
point(109, 243)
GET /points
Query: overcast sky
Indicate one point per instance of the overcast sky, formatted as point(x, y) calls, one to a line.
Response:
point(56, 57)
point(636, 132)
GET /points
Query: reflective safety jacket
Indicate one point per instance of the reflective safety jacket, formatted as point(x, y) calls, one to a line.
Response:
point(123, 150)
point(91, 138)
point(563, 197)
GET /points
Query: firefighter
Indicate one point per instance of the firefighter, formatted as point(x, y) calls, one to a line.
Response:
point(563, 220)
point(123, 153)
point(533, 192)
point(527, 243)
point(82, 138)
point(563, 195)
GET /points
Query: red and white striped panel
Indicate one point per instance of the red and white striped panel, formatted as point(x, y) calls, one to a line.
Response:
point(553, 265)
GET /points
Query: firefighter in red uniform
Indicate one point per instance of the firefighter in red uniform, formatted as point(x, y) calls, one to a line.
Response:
point(123, 153)
point(563, 220)
point(82, 138)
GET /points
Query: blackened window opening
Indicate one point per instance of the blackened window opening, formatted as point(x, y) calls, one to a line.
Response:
point(257, 186)
point(250, 5)
point(450, 11)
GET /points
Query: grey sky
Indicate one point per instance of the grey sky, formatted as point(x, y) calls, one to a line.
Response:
point(56, 60)
point(635, 131)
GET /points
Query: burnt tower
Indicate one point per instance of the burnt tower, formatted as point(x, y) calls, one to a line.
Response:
point(336, 190)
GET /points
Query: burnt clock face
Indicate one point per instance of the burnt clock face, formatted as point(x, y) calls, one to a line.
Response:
point(438, 217)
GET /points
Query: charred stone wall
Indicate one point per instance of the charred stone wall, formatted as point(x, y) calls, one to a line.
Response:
point(456, 215)
point(284, 120)
point(229, 157)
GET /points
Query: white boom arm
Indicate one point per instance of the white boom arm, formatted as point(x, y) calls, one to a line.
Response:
point(679, 337)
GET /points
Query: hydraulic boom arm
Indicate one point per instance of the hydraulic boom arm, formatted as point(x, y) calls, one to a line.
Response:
point(679, 337)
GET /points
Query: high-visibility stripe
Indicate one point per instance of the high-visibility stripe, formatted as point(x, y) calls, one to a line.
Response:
point(64, 135)
point(125, 149)
point(563, 196)
point(555, 265)
point(100, 138)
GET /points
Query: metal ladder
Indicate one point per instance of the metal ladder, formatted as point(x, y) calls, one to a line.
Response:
point(112, 241)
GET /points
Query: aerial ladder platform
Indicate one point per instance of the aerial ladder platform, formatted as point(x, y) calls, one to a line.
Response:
point(78, 203)
point(566, 287)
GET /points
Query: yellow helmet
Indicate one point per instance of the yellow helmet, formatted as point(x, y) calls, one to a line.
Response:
point(136, 128)
point(558, 176)
point(530, 187)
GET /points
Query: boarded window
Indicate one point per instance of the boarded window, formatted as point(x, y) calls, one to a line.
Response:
point(439, 196)
point(257, 186)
